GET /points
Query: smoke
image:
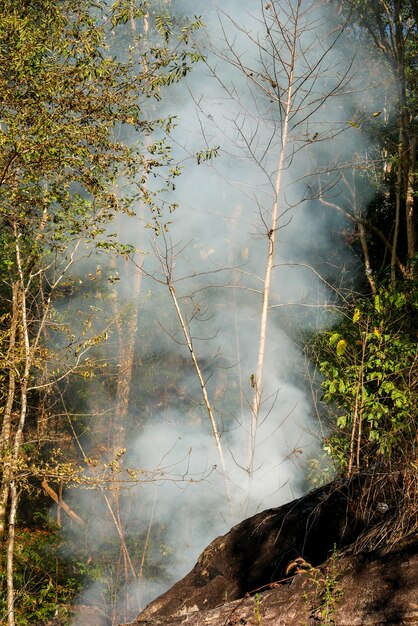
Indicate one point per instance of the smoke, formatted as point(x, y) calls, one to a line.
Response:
point(216, 246)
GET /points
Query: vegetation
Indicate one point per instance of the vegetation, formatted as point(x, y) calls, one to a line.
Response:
point(370, 374)
point(67, 97)
point(84, 147)
point(369, 360)
point(327, 591)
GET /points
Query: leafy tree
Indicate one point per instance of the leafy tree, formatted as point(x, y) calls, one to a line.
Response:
point(68, 95)
point(388, 31)
point(368, 361)
point(383, 325)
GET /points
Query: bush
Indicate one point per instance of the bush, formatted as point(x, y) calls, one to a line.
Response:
point(370, 369)
point(43, 580)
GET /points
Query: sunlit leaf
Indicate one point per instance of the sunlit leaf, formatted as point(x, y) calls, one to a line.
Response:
point(341, 347)
point(334, 338)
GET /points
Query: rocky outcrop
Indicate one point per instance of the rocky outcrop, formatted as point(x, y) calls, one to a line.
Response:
point(275, 568)
point(258, 551)
point(363, 590)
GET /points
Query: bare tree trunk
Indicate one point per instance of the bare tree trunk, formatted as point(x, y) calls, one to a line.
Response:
point(406, 151)
point(13, 485)
point(367, 266)
point(397, 217)
point(356, 428)
point(362, 236)
point(18, 435)
point(10, 553)
point(257, 381)
point(127, 330)
point(61, 504)
point(409, 203)
point(189, 342)
point(127, 327)
point(7, 413)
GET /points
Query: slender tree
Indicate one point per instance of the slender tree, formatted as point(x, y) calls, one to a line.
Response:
point(289, 78)
point(65, 95)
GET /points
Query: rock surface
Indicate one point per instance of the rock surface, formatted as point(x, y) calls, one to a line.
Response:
point(354, 591)
point(276, 568)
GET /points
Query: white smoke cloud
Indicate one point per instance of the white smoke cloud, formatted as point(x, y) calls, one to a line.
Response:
point(218, 229)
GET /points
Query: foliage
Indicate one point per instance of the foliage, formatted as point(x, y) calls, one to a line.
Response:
point(65, 98)
point(44, 580)
point(73, 126)
point(327, 592)
point(370, 373)
point(256, 610)
point(320, 470)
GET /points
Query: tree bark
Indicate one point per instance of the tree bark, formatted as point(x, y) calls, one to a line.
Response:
point(7, 414)
point(10, 553)
point(212, 419)
point(409, 203)
point(257, 381)
point(71, 514)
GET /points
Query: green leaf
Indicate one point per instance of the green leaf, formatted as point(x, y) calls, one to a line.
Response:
point(341, 347)
point(334, 338)
point(342, 421)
